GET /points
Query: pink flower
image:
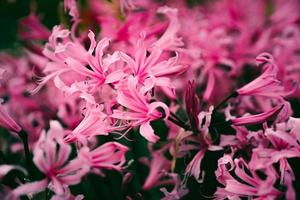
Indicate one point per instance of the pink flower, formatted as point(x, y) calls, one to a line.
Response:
point(150, 70)
point(139, 111)
point(267, 84)
point(110, 155)
point(50, 156)
point(67, 56)
point(95, 122)
point(283, 144)
point(169, 40)
point(248, 184)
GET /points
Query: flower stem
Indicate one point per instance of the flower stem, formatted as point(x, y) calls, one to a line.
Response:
point(232, 95)
point(178, 123)
point(24, 137)
point(177, 118)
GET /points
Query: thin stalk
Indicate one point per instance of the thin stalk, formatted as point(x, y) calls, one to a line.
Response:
point(177, 118)
point(24, 137)
point(232, 95)
point(180, 124)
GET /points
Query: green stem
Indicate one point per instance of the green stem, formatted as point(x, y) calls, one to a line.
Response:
point(232, 95)
point(180, 124)
point(177, 118)
point(24, 137)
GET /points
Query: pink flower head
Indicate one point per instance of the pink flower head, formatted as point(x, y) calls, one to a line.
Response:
point(70, 56)
point(50, 156)
point(150, 70)
point(267, 84)
point(110, 155)
point(95, 122)
point(283, 144)
point(248, 184)
point(139, 111)
point(169, 40)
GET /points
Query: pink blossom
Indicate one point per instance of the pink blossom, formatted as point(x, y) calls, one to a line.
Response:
point(95, 122)
point(247, 185)
point(110, 155)
point(71, 56)
point(267, 84)
point(169, 40)
point(52, 161)
point(140, 111)
point(150, 68)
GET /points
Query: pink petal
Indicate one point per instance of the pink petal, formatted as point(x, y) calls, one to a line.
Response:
point(147, 132)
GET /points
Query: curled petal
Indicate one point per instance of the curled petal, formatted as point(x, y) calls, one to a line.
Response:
point(155, 105)
point(147, 132)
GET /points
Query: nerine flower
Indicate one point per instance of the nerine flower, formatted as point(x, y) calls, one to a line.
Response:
point(204, 144)
point(170, 40)
point(70, 56)
point(267, 84)
point(150, 70)
point(95, 122)
point(51, 157)
point(245, 182)
point(110, 155)
point(283, 144)
point(140, 112)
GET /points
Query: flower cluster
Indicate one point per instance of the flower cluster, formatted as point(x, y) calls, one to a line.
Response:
point(208, 91)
